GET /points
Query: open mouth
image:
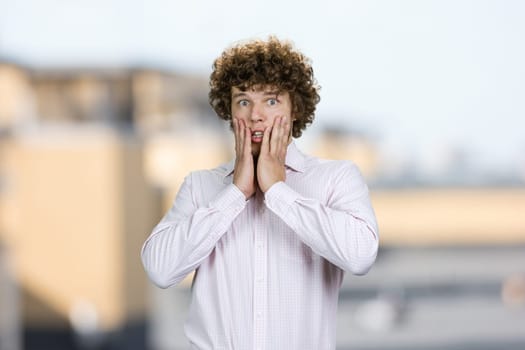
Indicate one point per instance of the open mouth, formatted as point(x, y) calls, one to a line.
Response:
point(257, 136)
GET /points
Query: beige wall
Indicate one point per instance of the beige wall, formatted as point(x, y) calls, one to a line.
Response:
point(451, 216)
point(75, 213)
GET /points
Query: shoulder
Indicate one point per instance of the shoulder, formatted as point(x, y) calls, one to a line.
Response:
point(205, 184)
point(336, 173)
point(218, 173)
point(330, 166)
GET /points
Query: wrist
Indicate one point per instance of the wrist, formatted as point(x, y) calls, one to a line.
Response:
point(247, 193)
point(267, 188)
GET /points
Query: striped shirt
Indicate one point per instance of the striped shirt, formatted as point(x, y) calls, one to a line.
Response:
point(268, 269)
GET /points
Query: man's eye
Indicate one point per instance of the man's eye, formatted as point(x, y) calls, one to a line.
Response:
point(272, 102)
point(243, 103)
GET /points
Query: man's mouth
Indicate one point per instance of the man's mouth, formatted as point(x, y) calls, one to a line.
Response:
point(257, 136)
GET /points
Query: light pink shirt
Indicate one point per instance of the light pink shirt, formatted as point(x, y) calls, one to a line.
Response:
point(269, 269)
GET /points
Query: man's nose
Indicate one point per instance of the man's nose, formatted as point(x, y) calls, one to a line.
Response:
point(257, 114)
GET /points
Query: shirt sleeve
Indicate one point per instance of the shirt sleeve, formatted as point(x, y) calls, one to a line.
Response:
point(187, 234)
point(343, 231)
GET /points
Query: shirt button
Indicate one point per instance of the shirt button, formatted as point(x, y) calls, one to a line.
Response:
point(259, 315)
point(260, 279)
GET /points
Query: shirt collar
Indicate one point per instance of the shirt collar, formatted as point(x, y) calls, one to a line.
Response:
point(295, 160)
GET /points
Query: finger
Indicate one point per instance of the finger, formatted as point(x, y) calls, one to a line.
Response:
point(282, 133)
point(265, 146)
point(286, 133)
point(236, 134)
point(281, 141)
point(241, 136)
point(275, 136)
point(285, 139)
point(247, 146)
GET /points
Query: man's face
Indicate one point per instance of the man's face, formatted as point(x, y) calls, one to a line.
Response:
point(258, 107)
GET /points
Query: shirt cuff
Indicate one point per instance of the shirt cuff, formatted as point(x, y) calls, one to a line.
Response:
point(230, 201)
point(280, 197)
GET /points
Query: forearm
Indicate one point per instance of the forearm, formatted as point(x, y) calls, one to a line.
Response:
point(180, 242)
point(348, 238)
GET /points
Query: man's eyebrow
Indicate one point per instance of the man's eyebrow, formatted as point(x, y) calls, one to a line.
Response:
point(266, 93)
point(239, 94)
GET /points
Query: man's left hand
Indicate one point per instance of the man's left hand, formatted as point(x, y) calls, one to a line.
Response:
point(270, 164)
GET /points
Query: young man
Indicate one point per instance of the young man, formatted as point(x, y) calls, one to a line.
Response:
point(271, 233)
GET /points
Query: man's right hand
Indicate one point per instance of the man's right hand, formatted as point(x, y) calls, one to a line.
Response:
point(243, 174)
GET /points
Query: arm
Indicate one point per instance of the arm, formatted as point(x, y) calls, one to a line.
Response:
point(344, 231)
point(187, 234)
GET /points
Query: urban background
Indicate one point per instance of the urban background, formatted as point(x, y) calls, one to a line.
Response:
point(103, 111)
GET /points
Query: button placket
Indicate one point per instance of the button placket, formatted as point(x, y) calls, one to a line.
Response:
point(260, 270)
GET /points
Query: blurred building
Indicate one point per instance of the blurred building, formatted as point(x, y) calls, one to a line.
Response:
point(446, 214)
point(340, 143)
point(81, 152)
point(90, 159)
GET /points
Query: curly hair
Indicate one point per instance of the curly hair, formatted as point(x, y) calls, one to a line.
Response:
point(265, 63)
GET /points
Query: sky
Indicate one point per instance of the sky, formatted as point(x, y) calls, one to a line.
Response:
point(427, 80)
